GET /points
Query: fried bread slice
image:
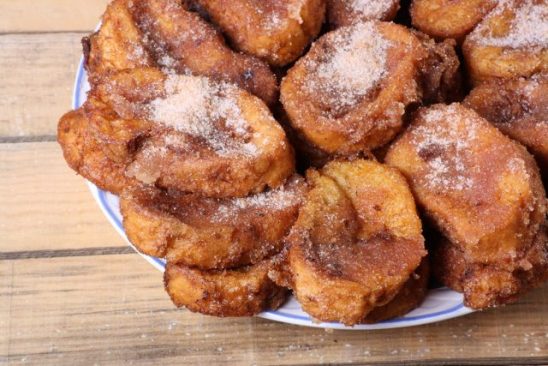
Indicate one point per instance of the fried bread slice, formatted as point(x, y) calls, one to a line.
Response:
point(488, 286)
point(346, 12)
point(519, 108)
point(277, 31)
point(190, 133)
point(511, 41)
point(208, 233)
point(449, 18)
point(350, 91)
point(408, 298)
point(163, 34)
point(84, 155)
point(243, 291)
point(481, 189)
point(355, 244)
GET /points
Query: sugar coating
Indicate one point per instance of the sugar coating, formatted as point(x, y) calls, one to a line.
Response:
point(278, 199)
point(371, 9)
point(294, 10)
point(202, 108)
point(279, 17)
point(356, 64)
point(528, 27)
point(448, 170)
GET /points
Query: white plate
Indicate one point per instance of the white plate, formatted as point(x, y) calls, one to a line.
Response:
point(440, 304)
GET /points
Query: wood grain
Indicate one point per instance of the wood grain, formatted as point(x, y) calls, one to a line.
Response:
point(37, 73)
point(45, 205)
point(111, 310)
point(49, 15)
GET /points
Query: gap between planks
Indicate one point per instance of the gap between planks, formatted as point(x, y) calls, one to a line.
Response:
point(112, 310)
point(20, 139)
point(80, 252)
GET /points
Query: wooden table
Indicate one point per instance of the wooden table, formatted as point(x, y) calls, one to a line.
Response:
point(73, 293)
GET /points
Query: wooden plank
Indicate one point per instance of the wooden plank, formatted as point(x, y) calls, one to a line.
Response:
point(110, 310)
point(37, 73)
point(45, 205)
point(49, 15)
point(6, 276)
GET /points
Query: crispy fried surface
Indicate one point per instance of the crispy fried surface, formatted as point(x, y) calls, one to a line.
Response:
point(208, 233)
point(349, 92)
point(84, 155)
point(117, 45)
point(189, 133)
point(277, 31)
point(162, 33)
point(408, 298)
point(118, 138)
point(519, 108)
point(244, 291)
point(346, 12)
point(356, 241)
point(510, 42)
point(440, 75)
point(449, 18)
point(482, 189)
point(486, 286)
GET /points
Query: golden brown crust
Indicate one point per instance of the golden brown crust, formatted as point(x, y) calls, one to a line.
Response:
point(487, 286)
point(356, 241)
point(117, 45)
point(162, 33)
point(277, 31)
point(449, 18)
point(189, 133)
point(118, 138)
point(84, 155)
point(244, 291)
point(346, 12)
point(208, 233)
point(509, 42)
point(519, 108)
point(408, 298)
point(481, 189)
point(342, 106)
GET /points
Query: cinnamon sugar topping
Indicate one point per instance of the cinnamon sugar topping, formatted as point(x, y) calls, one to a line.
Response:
point(445, 147)
point(355, 65)
point(278, 17)
point(204, 109)
point(527, 28)
point(278, 199)
point(294, 10)
point(371, 9)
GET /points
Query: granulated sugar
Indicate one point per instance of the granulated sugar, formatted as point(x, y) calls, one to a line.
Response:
point(529, 27)
point(371, 9)
point(356, 65)
point(273, 200)
point(449, 135)
point(517, 166)
point(294, 9)
point(532, 85)
point(136, 52)
point(202, 108)
point(278, 17)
